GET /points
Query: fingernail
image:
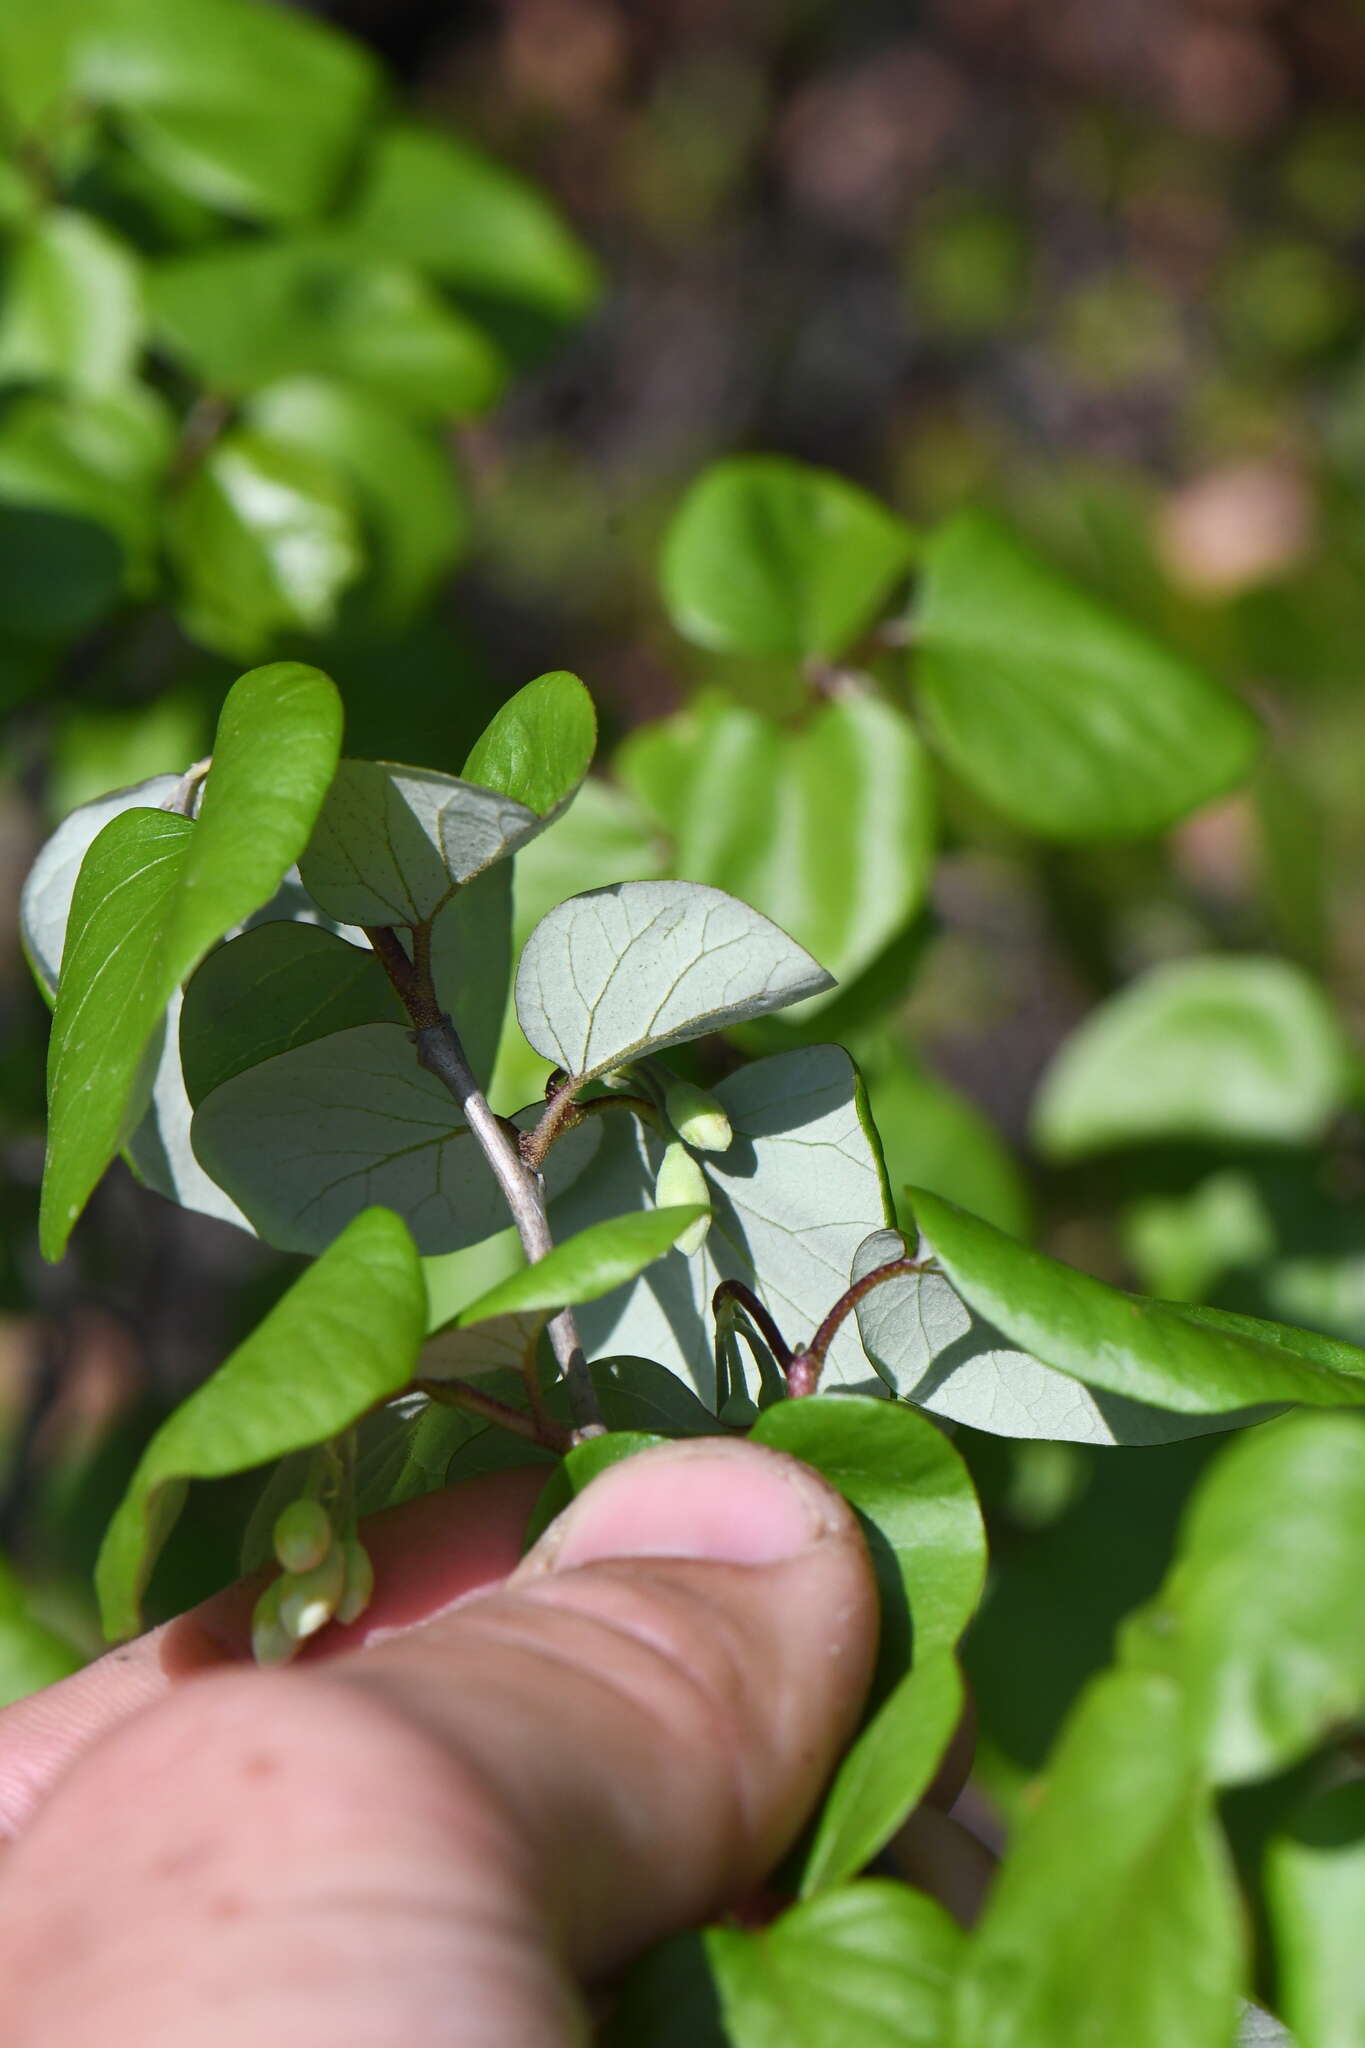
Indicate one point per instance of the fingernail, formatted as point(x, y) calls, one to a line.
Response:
point(711, 1501)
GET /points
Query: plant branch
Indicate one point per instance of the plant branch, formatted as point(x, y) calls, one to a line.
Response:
point(807, 1361)
point(535, 1429)
point(439, 1050)
point(735, 1290)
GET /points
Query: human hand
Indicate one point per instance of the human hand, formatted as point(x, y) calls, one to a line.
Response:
point(497, 1788)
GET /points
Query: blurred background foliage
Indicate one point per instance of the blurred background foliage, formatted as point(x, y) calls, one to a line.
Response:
point(397, 350)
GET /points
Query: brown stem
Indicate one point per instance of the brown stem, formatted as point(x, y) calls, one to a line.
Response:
point(735, 1290)
point(807, 1361)
point(439, 1050)
point(535, 1429)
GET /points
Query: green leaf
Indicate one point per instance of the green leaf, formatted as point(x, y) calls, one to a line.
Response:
point(505, 1343)
point(72, 308)
point(276, 986)
point(539, 746)
point(915, 1500)
point(792, 1199)
point(871, 1963)
point(1222, 1049)
point(932, 1349)
point(264, 540)
point(1059, 712)
point(1315, 1889)
point(342, 1339)
point(1195, 1362)
point(45, 905)
point(1114, 1922)
point(98, 462)
point(1259, 1620)
point(886, 1772)
point(247, 314)
point(667, 1999)
point(579, 1469)
point(153, 894)
point(31, 1654)
point(641, 1394)
point(645, 965)
point(393, 843)
point(437, 202)
point(410, 504)
point(471, 962)
point(306, 1140)
point(59, 575)
point(770, 556)
point(828, 829)
point(586, 1266)
point(253, 109)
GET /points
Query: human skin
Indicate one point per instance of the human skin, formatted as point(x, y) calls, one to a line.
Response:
point(452, 1820)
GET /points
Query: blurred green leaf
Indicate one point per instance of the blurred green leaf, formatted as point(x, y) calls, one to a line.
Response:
point(341, 1340)
point(264, 540)
point(579, 1468)
point(1315, 1889)
point(1060, 713)
point(95, 459)
point(409, 501)
point(1218, 1048)
point(1114, 1921)
point(31, 1654)
point(249, 314)
point(437, 202)
point(770, 556)
point(154, 893)
point(872, 1962)
point(936, 1138)
point(72, 307)
point(828, 830)
point(253, 108)
point(1259, 1621)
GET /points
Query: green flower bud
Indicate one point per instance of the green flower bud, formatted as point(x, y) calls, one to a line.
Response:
point(697, 1117)
point(308, 1600)
point(681, 1181)
point(271, 1642)
point(358, 1587)
point(303, 1535)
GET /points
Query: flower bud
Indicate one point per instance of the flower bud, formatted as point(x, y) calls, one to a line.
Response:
point(308, 1600)
point(303, 1535)
point(271, 1642)
point(358, 1585)
point(681, 1181)
point(697, 1117)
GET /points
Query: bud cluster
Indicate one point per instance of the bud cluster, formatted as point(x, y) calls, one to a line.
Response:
point(324, 1576)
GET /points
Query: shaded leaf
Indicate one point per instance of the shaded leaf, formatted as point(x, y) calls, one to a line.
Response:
point(392, 843)
point(1059, 712)
point(770, 556)
point(792, 1199)
point(342, 1339)
point(645, 965)
point(306, 1140)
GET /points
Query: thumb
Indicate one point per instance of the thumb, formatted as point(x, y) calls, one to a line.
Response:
point(437, 1836)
